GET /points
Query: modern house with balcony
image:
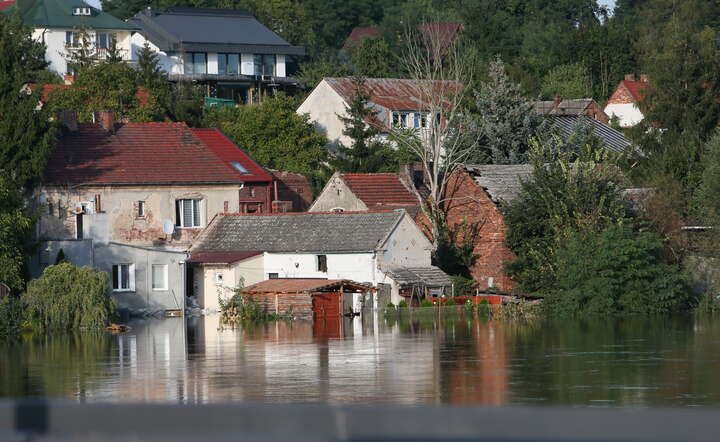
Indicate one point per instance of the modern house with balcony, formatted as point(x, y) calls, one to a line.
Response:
point(228, 50)
point(69, 26)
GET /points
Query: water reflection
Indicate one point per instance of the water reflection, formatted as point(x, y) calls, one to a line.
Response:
point(420, 359)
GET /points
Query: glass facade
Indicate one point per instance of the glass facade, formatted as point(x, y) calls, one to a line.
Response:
point(229, 64)
point(264, 64)
point(195, 62)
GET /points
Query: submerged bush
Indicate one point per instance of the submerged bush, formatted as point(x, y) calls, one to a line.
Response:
point(241, 309)
point(68, 297)
point(617, 270)
point(11, 315)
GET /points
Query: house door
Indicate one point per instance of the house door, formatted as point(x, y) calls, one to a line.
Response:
point(326, 305)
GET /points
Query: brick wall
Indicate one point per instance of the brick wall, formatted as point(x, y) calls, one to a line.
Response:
point(301, 303)
point(468, 205)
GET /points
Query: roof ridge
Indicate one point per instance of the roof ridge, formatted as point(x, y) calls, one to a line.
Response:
point(350, 212)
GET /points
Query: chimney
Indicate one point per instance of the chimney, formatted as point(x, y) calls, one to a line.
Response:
point(68, 119)
point(644, 78)
point(106, 119)
point(629, 77)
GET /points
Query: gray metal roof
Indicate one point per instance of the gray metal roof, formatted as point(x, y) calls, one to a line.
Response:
point(612, 139)
point(211, 30)
point(565, 107)
point(502, 182)
point(300, 232)
point(420, 276)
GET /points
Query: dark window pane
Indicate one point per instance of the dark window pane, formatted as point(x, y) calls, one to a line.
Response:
point(222, 63)
point(200, 67)
point(115, 277)
point(188, 63)
point(233, 64)
point(125, 276)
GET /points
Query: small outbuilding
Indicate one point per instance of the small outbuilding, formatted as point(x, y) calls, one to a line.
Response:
point(306, 298)
point(416, 283)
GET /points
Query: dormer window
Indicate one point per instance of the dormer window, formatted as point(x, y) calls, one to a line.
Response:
point(80, 10)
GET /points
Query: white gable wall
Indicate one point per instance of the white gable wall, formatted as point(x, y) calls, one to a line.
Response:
point(628, 113)
point(324, 106)
point(337, 195)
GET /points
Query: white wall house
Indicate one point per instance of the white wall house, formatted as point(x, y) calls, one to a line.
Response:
point(362, 247)
point(228, 50)
point(395, 101)
point(624, 103)
point(64, 27)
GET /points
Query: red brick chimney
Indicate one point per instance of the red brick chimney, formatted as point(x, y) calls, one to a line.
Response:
point(68, 119)
point(644, 78)
point(629, 77)
point(106, 119)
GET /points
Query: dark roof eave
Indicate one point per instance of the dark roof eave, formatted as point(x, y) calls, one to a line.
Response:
point(236, 78)
point(198, 46)
point(164, 183)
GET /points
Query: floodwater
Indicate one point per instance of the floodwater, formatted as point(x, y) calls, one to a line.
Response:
point(668, 362)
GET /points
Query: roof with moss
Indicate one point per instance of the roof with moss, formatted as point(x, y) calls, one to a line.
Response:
point(60, 14)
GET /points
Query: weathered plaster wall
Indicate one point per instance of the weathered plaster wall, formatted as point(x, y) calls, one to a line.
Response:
point(628, 113)
point(240, 274)
point(357, 267)
point(324, 106)
point(119, 216)
point(337, 194)
point(406, 247)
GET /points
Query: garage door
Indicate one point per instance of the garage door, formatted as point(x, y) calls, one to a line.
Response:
point(326, 305)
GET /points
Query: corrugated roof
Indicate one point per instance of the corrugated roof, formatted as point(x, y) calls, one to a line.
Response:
point(565, 107)
point(59, 14)
point(220, 257)
point(211, 30)
point(379, 189)
point(295, 285)
point(502, 182)
point(420, 276)
point(391, 93)
point(612, 139)
point(313, 232)
point(144, 153)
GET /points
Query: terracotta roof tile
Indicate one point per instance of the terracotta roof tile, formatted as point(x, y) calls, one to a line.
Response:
point(635, 88)
point(379, 189)
point(145, 153)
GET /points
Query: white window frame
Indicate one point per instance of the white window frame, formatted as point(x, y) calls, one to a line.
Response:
point(180, 222)
point(131, 277)
point(164, 269)
point(219, 278)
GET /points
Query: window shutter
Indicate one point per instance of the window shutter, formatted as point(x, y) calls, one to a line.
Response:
point(178, 211)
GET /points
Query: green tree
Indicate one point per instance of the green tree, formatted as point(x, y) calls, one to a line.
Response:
point(312, 72)
point(68, 297)
point(273, 134)
point(616, 270)
point(16, 226)
point(367, 154)
point(373, 58)
point(568, 81)
point(505, 120)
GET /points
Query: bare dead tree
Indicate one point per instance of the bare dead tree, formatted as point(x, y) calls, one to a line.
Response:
point(441, 75)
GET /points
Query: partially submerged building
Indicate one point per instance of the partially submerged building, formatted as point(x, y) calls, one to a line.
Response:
point(131, 198)
point(228, 50)
point(239, 250)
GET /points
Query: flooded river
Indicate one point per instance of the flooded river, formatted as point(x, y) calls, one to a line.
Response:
point(450, 360)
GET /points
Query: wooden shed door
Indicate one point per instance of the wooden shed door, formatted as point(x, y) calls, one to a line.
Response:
point(326, 305)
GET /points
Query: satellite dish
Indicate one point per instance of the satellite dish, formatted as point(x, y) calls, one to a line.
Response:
point(168, 227)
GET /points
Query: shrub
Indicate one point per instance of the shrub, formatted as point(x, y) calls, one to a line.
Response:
point(11, 315)
point(402, 304)
point(617, 270)
point(426, 303)
point(449, 301)
point(240, 309)
point(68, 297)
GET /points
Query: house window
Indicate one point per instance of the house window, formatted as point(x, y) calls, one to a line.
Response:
point(79, 226)
point(187, 213)
point(141, 209)
point(219, 278)
point(228, 63)
point(105, 40)
point(273, 276)
point(264, 64)
point(400, 119)
point(195, 63)
point(72, 39)
point(123, 277)
point(82, 11)
point(338, 209)
point(322, 263)
point(159, 277)
point(420, 120)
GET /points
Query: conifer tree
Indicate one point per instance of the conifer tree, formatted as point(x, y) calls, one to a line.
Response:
point(366, 154)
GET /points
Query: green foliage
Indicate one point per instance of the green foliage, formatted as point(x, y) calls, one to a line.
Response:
point(273, 134)
point(241, 309)
point(402, 304)
point(106, 86)
point(463, 286)
point(455, 253)
point(60, 257)
point(568, 81)
point(617, 270)
point(505, 120)
point(426, 303)
point(567, 191)
point(708, 193)
point(372, 57)
point(67, 297)
point(16, 226)
point(11, 316)
point(312, 72)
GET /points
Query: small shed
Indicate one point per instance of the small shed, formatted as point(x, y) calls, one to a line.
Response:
point(305, 297)
point(416, 283)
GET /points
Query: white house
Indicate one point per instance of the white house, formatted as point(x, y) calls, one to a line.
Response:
point(359, 246)
point(228, 50)
point(624, 102)
point(66, 26)
point(397, 103)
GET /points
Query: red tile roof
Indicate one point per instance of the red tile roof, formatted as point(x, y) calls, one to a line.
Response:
point(391, 93)
point(144, 153)
point(358, 33)
point(5, 4)
point(227, 151)
point(221, 257)
point(295, 285)
point(379, 189)
point(635, 88)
